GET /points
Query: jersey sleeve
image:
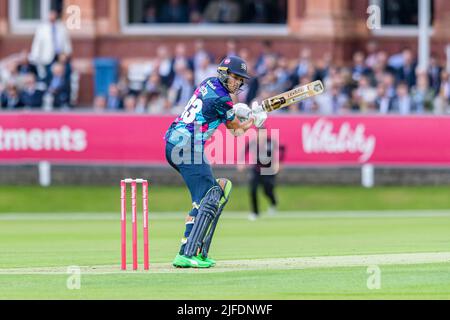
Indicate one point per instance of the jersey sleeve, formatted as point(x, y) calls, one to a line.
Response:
point(224, 108)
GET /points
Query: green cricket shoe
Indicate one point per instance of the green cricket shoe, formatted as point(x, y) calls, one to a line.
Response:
point(186, 262)
point(208, 260)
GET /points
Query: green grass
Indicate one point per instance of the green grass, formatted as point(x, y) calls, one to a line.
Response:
point(162, 199)
point(51, 240)
point(398, 282)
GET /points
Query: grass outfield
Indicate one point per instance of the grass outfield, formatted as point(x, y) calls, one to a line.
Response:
point(164, 199)
point(273, 258)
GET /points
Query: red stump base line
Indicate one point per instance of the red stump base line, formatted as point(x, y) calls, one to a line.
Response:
point(123, 197)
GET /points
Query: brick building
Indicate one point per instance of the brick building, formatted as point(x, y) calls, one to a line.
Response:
point(108, 29)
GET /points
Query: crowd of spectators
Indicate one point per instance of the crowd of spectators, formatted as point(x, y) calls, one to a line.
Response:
point(41, 78)
point(214, 11)
point(373, 83)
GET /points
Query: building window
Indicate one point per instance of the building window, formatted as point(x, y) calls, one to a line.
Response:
point(30, 10)
point(400, 17)
point(403, 12)
point(25, 15)
point(204, 16)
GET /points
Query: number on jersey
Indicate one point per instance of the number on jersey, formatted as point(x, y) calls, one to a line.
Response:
point(194, 106)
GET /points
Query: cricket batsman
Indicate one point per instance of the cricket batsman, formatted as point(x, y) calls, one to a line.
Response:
point(210, 106)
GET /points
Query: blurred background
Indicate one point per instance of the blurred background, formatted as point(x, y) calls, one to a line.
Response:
point(93, 61)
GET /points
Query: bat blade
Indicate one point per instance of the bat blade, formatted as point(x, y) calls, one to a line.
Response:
point(294, 96)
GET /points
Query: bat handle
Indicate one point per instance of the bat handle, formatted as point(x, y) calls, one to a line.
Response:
point(257, 108)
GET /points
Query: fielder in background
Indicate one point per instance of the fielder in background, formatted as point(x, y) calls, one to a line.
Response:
point(210, 106)
point(267, 156)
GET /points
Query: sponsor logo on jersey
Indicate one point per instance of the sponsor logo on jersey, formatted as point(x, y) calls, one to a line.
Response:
point(211, 85)
point(203, 90)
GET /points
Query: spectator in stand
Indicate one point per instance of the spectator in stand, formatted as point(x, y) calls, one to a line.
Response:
point(175, 11)
point(375, 89)
point(50, 40)
point(359, 68)
point(251, 88)
point(372, 54)
point(407, 72)
point(244, 53)
point(129, 104)
point(182, 87)
point(422, 95)
point(142, 103)
point(10, 99)
point(322, 67)
point(100, 104)
point(8, 72)
point(283, 74)
point(270, 64)
point(333, 101)
point(378, 71)
point(231, 48)
point(347, 82)
point(200, 54)
point(126, 86)
point(434, 73)
point(332, 77)
point(222, 11)
point(303, 65)
point(382, 60)
point(65, 61)
point(355, 102)
point(389, 84)
point(308, 106)
point(442, 101)
point(59, 88)
point(24, 66)
point(267, 51)
point(366, 93)
point(195, 10)
point(31, 96)
point(281, 9)
point(205, 70)
point(403, 103)
point(383, 101)
point(268, 83)
point(163, 64)
point(195, 17)
point(276, 74)
point(150, 15)
point(396, 60)
point(260, 11)
point(157, 103)
point(154, 84)
point(181, 56)
point(114, 101)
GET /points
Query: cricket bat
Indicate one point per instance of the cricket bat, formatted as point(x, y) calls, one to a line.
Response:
point(294, 96)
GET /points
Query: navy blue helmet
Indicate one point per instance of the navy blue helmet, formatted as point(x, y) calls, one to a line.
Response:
point(234, 65)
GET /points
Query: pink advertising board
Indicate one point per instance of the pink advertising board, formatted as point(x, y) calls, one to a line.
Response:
point(130, 139)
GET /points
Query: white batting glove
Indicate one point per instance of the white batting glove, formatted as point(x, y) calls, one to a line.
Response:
point(259, 114)
point(242, 111)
